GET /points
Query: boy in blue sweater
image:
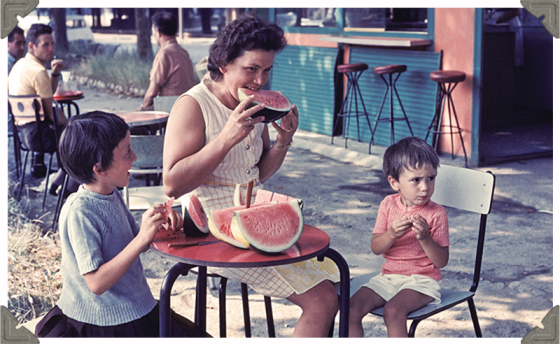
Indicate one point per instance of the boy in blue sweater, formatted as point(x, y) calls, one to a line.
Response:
point(105, 292)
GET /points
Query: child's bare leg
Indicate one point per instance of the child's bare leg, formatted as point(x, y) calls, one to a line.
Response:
point(396, 310)
point(361, 303)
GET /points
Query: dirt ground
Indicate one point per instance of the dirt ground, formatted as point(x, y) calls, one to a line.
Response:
point(342, 189)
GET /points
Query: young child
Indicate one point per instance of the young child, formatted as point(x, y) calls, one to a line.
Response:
point(411, 232)
point(105, 292)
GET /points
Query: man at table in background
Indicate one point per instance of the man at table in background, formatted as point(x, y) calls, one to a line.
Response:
point(172, 72)
point(16, 46)
point(29, 77)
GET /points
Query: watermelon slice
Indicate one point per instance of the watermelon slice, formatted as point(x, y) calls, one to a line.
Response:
point(269, 227)
point(277, 105)
point(219, 223)
point(167, 206)
point(195, 221)
point(263, 196)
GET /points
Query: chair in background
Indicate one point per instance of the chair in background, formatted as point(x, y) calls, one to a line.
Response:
point(149, 150)
point(24, 110)
point(467, 190)
point(164, 103)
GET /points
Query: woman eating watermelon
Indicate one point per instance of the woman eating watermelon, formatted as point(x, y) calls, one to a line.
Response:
point(213, 143)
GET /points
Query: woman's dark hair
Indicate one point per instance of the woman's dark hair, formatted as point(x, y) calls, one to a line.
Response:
point(244, 34)
point(166, 23)
point(37, 30)
point(90, 139)
point(410, 153)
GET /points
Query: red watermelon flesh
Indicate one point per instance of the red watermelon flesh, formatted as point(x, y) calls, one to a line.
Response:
point(220, 225)
point(167, 206)
point(195, 222)
point(265, 196)
point(276, 103)
point(272, 227)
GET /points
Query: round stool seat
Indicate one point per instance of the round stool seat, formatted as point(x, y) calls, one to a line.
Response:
point(390, 69)
point(448, 76)
point(352, 67)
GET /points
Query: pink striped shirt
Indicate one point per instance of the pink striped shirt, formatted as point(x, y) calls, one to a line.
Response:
point(406, 256)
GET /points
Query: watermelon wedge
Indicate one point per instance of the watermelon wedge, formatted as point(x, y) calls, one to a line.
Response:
point(268, 227)
point(219, 223)
point(276, 103)
point(167, 206)
point(263, 196)
point(195, 221)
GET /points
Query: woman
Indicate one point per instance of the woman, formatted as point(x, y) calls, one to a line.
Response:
point(212, 144)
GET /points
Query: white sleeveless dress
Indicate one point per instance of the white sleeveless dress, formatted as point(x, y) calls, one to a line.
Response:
point(238, 167)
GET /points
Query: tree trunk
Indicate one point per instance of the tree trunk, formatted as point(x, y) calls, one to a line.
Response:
point(58, 15)
point(144, 33)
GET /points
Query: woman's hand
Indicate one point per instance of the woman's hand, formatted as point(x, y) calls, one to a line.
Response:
point(287, 127)
point(240, 123)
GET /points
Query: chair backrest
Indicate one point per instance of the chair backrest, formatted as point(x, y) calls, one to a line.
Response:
point(148, 149)
point(164, 103)
point(469, 190)
point(464, 189)
point(26, 109)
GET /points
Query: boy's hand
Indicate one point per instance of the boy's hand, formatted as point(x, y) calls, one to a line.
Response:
point(420, 227)
point(152, 220)
point(400, 226)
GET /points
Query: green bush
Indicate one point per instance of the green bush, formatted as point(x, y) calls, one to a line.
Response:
point(125, 69)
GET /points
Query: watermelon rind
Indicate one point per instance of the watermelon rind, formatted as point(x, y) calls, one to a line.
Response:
point(244, 235)
point(270, 114)
point(190, 227)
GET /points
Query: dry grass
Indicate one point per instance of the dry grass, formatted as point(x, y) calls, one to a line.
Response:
point(34, 278)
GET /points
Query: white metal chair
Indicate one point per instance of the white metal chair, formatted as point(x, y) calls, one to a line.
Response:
point(463, 189)
point(164, 103)
point(149, 150)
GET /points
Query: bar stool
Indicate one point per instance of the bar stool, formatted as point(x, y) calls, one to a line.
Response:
point(349, 107)
point(447, 81)
point(392, 88)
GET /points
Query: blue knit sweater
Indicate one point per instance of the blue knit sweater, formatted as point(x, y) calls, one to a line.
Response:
point(95, 228)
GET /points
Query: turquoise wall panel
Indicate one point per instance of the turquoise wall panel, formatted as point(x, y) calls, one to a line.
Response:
point(305, 76)
point(417, 92)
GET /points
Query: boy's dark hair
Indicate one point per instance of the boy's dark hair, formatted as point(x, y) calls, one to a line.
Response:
point(410, 153)
point(37, 30)
point(17, 30)
point(166, 23)
point(247, 33)
point(90, 139)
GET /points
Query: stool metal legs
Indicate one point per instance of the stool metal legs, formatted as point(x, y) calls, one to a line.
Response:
point(391, 87)
point(349, 107)
point(436, 126)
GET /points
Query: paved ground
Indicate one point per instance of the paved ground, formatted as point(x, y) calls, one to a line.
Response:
point(342, 189)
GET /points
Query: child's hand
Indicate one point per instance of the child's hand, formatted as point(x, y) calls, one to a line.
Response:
point(152, 220)
point(420, 227)
point(400, 226)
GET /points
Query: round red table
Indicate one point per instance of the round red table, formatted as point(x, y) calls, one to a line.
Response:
point(140, 118)
point(312, 243)
point(67, 99)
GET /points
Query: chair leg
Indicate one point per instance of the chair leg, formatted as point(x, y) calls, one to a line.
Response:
point(47, 182)
point(59, 201)
point(412, 328)
point(18, 197)
point(222, 307)
point(246, 315)
point(474, 317)
point(269, 316)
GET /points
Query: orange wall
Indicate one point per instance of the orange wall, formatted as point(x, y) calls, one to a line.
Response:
point(454, 35)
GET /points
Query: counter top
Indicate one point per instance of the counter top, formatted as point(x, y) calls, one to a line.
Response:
point(379, 41)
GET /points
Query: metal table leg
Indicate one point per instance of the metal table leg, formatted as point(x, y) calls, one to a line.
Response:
point(344, 289)
point(165, 297)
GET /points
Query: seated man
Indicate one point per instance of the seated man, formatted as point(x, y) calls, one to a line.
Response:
point(29, 76)
point(16, 46)
point(172, 72)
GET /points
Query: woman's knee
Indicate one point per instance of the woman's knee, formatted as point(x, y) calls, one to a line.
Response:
point(321, 298)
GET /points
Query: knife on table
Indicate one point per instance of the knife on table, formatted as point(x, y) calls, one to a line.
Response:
point(196, 243)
